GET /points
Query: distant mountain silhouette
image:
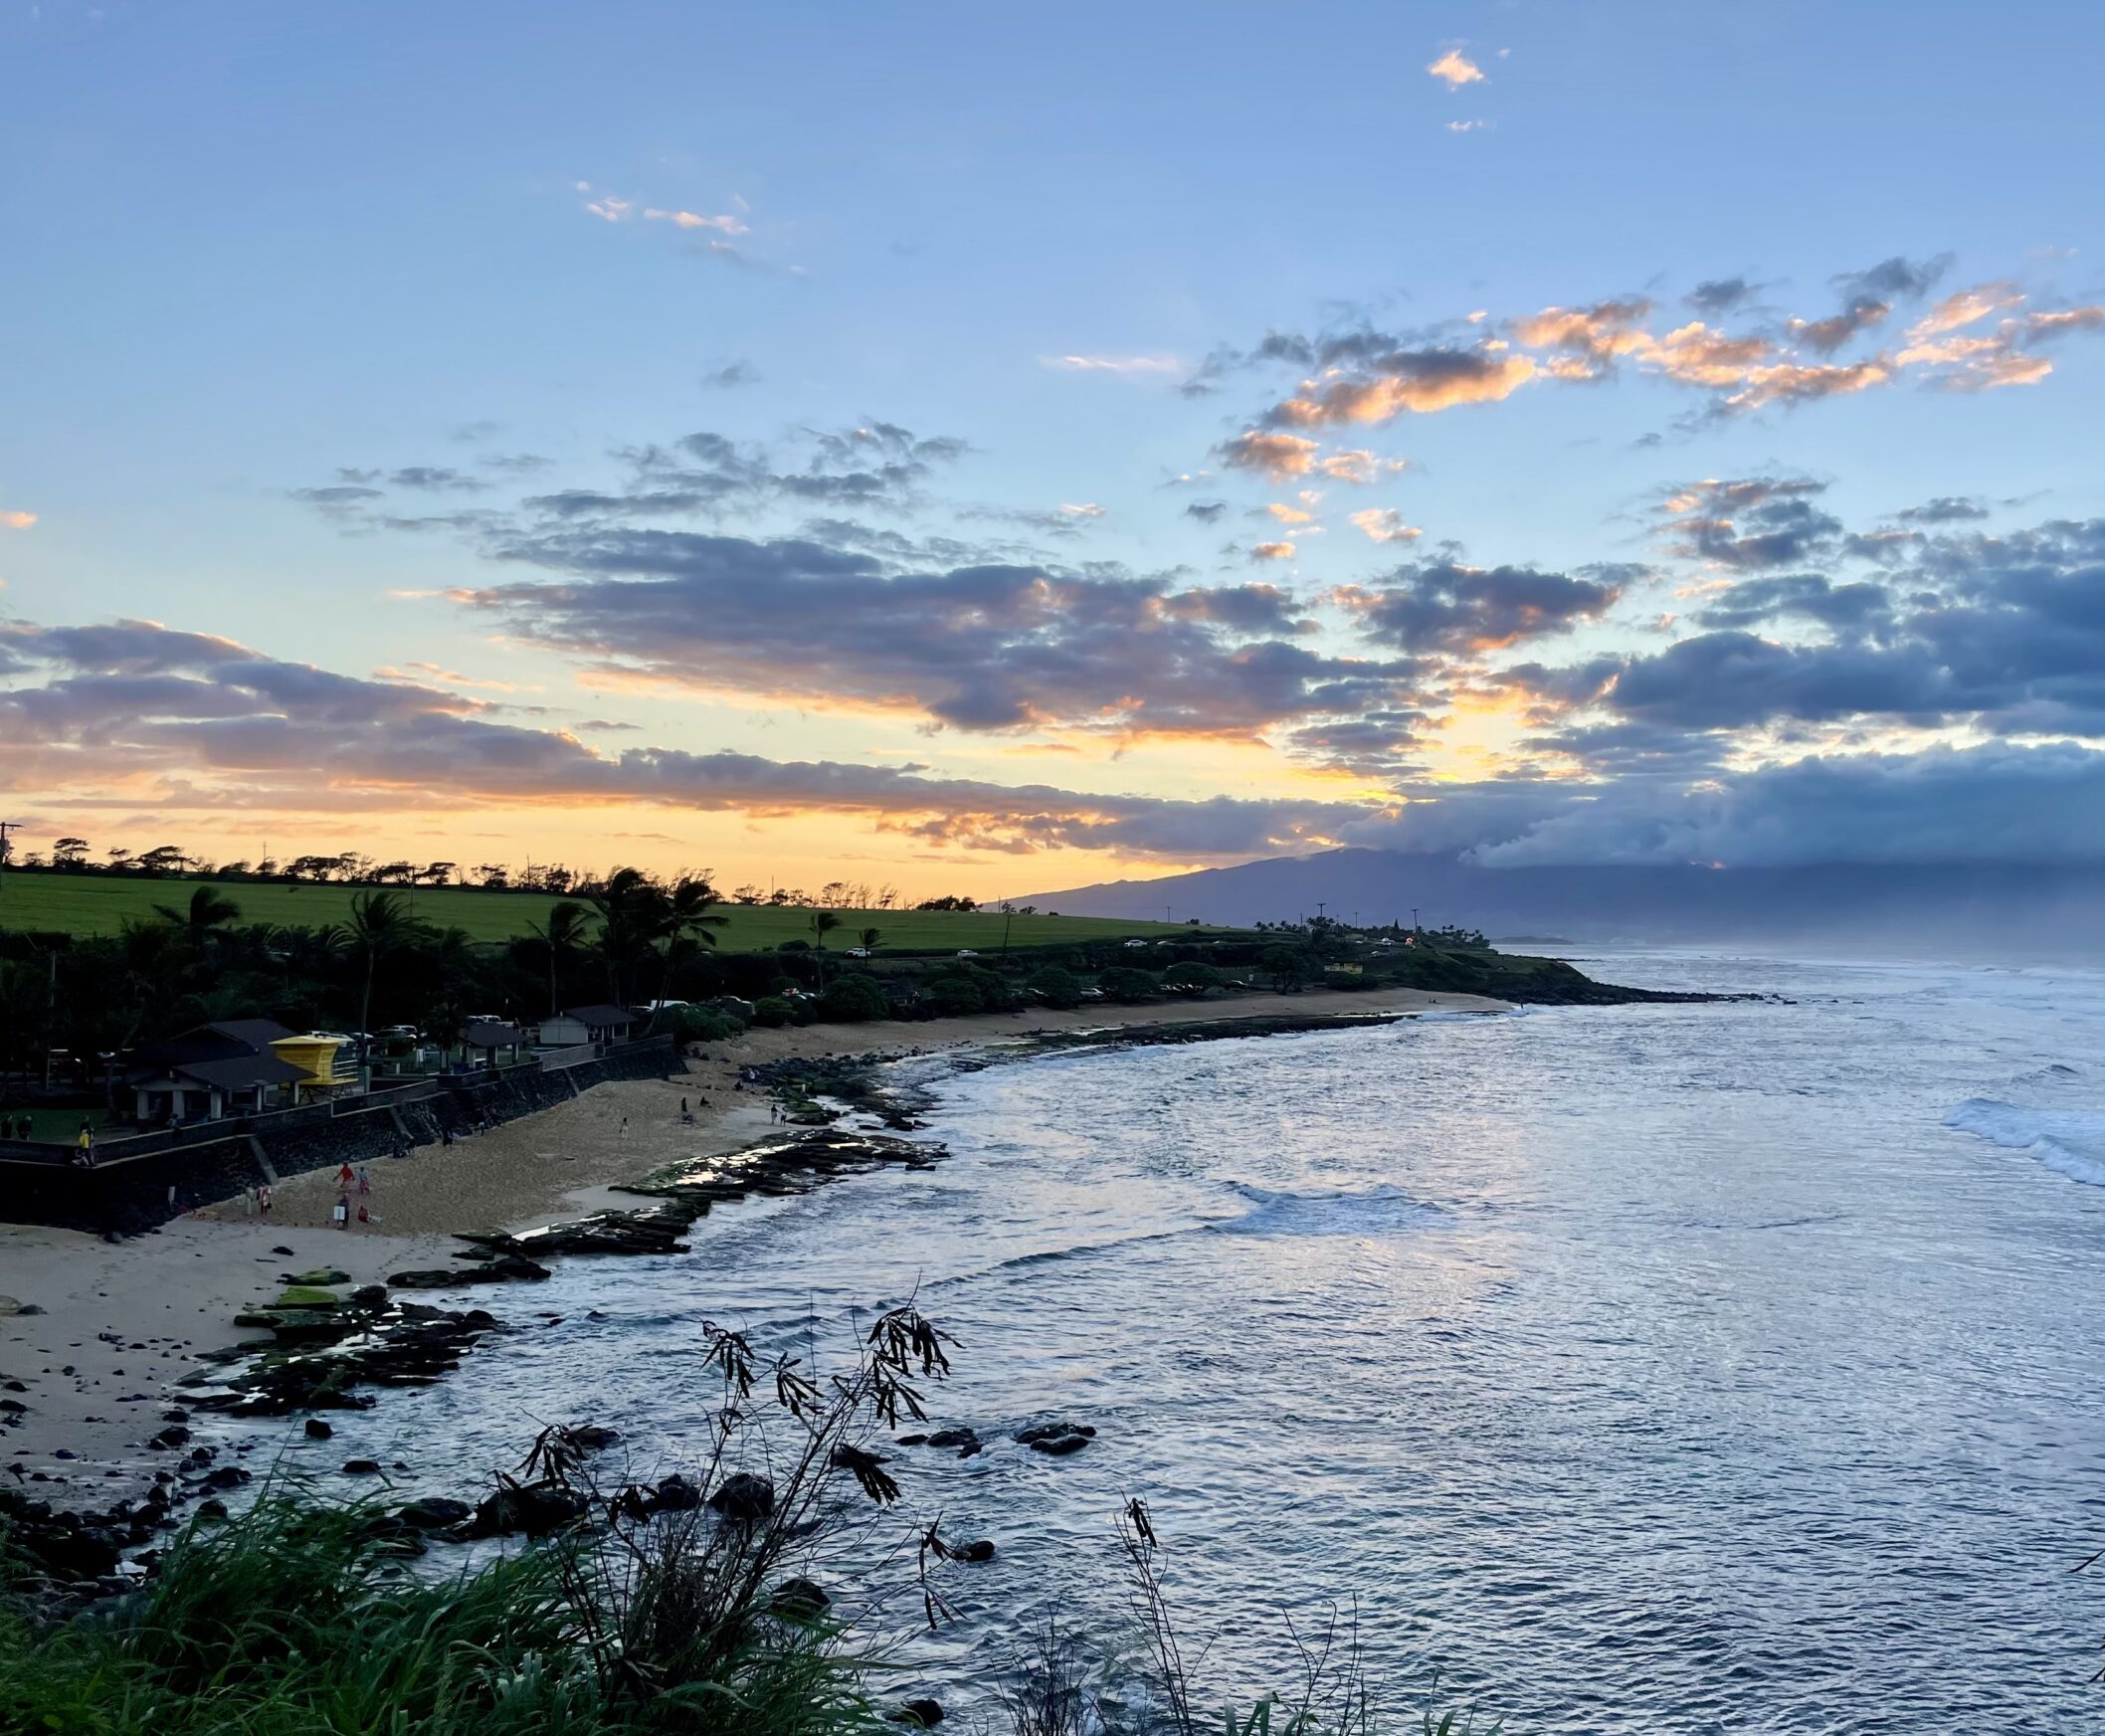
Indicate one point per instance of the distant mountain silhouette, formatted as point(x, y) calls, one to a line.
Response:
point(1927, 910)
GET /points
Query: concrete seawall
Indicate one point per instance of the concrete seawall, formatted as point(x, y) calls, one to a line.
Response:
point(127, 1194)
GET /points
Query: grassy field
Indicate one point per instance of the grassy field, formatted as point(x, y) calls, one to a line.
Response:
point(97, 904)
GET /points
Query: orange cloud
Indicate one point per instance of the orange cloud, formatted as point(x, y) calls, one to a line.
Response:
point(1480, 379)
point(18, 520)
point(1273, 551)
point(1455, 69)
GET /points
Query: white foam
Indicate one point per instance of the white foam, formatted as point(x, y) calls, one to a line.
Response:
point(2070, 1141)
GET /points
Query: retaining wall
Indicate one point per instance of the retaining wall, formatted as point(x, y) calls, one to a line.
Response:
point(130, 1190)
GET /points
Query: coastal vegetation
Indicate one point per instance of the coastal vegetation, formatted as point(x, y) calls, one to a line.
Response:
point(392, 967)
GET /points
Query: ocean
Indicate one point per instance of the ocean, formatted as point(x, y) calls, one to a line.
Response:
point(1678, 1369)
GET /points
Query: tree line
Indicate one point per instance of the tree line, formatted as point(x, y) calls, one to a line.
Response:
point(352, 868)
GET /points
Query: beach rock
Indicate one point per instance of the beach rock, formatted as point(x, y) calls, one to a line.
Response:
point(800, 1600)
point(211, 1510)
point(317, 1430)
point(369, 1296)
point(965, 1441)
point(282, 1252)
point(175, 1414)
point(595, 1439)
point(13, 1406)
point(434, 1513)
point(361, 1468)
point(228, 1477)
point(983, 1550)
point(175, 1435)
point(526, 1509)
point(321, 1274)
point(924, 1714)
point(675, 1494)
point(1057, 1439)
point(743, 1497)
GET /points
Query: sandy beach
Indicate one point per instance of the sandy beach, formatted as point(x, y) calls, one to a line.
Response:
point(120, 1323)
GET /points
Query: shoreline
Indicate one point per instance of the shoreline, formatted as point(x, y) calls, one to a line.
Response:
point(117, 1325)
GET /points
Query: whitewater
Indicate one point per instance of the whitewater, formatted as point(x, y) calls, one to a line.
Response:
point(1678, 1369)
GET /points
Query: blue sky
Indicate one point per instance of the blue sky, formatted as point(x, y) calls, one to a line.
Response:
point(254, 250)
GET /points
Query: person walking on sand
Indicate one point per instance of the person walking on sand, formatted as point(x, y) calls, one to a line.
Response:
point(263, 1201)
point(365, 1180)
point(86, 1145)
point(343, 1213)
point(344, 1178)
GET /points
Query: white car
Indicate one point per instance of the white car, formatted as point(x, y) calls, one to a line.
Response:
point(966, 952)
point(858, 952)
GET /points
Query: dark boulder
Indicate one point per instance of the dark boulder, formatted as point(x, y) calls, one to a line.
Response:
point(921, 1714)
point(676, 1495)
point(800, 1600)
point(317, 1430)
point(527, 1509)
point(175, 1435)
point(1057, 1439)
point(983, 1550)
point(361, 1468)
point(965, 1441)
point(434, 1513)
point(743, 1497)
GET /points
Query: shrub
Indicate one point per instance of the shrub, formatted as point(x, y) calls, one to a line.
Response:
point(1190, 979)
point(853, 1000)
point(773, 1011)
point(1123, 983)
point(953, 996)
point(1055, 987)
point(699, 1025)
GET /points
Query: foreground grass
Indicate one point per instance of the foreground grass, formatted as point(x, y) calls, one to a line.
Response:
point(88, 904)
point(291, 1619)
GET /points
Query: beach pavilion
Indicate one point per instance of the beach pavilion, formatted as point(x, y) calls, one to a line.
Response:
point(214, 1071)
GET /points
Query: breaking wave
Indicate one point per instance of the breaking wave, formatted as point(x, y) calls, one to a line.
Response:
point(1376, 1210)
point(2071, 1141)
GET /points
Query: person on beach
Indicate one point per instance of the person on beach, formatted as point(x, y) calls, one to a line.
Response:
point(365, 1180)
point(343, 1213)
point(263, 1199)
point(86, 1145)
point(344, 1177)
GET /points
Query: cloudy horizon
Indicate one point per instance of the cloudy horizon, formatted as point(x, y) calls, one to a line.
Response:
point(544, 463)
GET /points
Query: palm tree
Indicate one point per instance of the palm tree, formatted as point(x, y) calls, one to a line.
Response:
point(683, 920)
point(208, 911)
point(868, 939)
point(380, 924)
point(562, 933)
point(824, 923)
point(630, 907)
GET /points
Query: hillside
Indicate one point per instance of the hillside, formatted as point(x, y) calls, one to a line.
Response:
point(85, 904)
point(1945, 910)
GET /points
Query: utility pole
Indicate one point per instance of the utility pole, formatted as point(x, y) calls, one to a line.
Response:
point(6, 826)
point(1413, 918)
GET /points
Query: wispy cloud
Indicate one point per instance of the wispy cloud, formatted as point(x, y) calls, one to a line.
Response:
point(1136, 366)
point(1385, 524)
point(18, 520)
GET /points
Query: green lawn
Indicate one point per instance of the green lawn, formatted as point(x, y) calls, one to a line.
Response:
point(99, 904)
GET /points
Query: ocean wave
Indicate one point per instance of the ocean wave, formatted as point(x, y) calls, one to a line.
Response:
point(2070, 1141)
point(1374, 1211)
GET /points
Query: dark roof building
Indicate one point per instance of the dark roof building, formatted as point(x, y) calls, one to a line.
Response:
point(216, 1068)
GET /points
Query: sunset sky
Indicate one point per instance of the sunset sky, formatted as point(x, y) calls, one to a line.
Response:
point(992, 449)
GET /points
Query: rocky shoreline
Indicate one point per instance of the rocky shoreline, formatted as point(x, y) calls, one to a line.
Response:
point(328, 1351)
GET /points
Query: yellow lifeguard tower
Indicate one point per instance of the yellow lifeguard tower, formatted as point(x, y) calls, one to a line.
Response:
point(318, 1056)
